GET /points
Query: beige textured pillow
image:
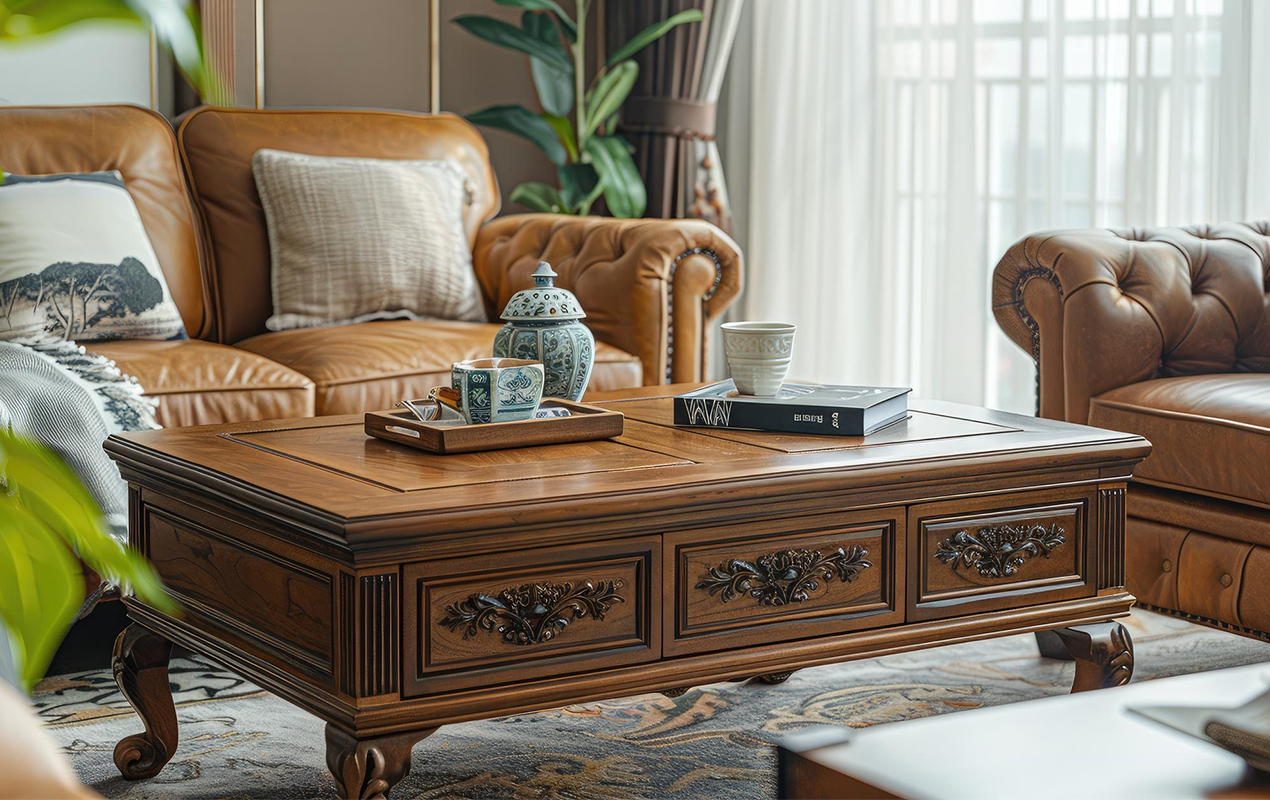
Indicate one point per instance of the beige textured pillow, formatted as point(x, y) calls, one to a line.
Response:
point(358, 239)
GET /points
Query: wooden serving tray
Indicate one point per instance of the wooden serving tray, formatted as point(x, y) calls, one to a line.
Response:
point(585, 424)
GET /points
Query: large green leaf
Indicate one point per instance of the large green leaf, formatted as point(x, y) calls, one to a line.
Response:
point(609, 92)
point(177, 25)
point(48, 488)
point(40, 612)
point(22, 18)
point(567, 26)
point(504, 34)
point(18, 579)
point(539, 197)
point(46, 517)
point(623, 188)
point(581, 186)
point(522, 122)
point(652, 33)
point(45, 486)
point(554, 85)
point(564, 130)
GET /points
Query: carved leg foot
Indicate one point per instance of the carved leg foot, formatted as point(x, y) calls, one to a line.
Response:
point(1103, 653)
point(773, 678)
point(1051, 646)
point(365, 769)
point(141, 670)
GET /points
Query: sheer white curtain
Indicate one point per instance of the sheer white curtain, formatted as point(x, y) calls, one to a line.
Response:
point(897, 148)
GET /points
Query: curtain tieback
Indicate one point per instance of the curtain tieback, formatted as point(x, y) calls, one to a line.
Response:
point(670, 116)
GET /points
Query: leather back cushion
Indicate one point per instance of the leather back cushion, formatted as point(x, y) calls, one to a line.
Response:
point(1140, 304)
point(217, 145)
point(1212, 303)
point(139, 144)
point(1163, 302)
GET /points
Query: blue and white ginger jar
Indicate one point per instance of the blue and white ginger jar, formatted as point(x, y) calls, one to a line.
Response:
point(543, 324)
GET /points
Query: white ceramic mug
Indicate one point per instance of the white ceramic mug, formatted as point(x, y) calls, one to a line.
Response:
point(758, 355)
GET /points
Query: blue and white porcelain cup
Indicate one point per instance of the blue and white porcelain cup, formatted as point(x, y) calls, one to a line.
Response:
point(497, 389)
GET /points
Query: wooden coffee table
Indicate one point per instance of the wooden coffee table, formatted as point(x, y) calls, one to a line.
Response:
point(388, 591)
point(1056, 747)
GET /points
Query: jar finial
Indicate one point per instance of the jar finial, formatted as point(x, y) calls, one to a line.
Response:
point(543, 302)
point(544, 275)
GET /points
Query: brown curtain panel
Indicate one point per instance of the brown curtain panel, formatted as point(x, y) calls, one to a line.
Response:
point(670, 114)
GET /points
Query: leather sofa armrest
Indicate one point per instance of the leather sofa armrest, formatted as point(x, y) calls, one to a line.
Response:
point(1101, 309)
point(648, 286)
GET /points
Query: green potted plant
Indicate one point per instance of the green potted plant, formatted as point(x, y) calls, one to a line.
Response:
point(575, 129)
point(50, 529)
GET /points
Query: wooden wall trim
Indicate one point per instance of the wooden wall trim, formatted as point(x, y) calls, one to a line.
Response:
point(154, 70)
point(260, 54)
point(434, 56)
point(221, 49)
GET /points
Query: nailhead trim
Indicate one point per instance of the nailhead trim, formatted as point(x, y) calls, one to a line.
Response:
point(1025, 277)
point(670, 295)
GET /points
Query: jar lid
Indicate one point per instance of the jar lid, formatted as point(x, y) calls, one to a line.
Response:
point(544, 301)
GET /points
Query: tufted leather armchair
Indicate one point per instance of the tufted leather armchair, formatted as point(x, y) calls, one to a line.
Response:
point(1164, 332)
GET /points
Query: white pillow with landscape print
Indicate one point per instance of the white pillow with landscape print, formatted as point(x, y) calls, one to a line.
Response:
point(75, 262)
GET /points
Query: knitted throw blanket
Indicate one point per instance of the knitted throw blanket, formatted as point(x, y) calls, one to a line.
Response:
point(69, 400)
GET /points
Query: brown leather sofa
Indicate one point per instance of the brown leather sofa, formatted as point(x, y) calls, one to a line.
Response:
point(1164, 332)
point(649, 287)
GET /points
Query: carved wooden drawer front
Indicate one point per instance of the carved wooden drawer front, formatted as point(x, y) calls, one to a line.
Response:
point(243, 586)
point(820, 575)
point(498, 618)
point(1004, 556)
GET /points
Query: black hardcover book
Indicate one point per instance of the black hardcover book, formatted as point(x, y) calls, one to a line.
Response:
point(798, 408)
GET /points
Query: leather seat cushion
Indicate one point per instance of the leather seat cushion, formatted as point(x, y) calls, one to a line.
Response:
point(201, 383)
point(371, 366)
point(1211, 433)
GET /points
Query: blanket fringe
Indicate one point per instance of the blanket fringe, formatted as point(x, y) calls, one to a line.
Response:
point(121, 395)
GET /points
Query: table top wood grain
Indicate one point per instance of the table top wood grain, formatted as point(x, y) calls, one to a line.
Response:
point(326, 474)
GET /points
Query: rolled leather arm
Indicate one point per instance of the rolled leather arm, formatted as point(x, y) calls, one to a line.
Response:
point(648, 286)
point(1100, 309)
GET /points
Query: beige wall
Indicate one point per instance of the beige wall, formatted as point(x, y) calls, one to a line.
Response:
point(86, 63)
point(377, 54)
point(369, 54)
point(476, 74)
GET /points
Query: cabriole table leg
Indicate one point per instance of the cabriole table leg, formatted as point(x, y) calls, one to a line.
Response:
point(141, 670)
point(365, 769)
point(1103, 653)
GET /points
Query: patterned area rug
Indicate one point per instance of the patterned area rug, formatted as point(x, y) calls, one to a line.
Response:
point(238, 741)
